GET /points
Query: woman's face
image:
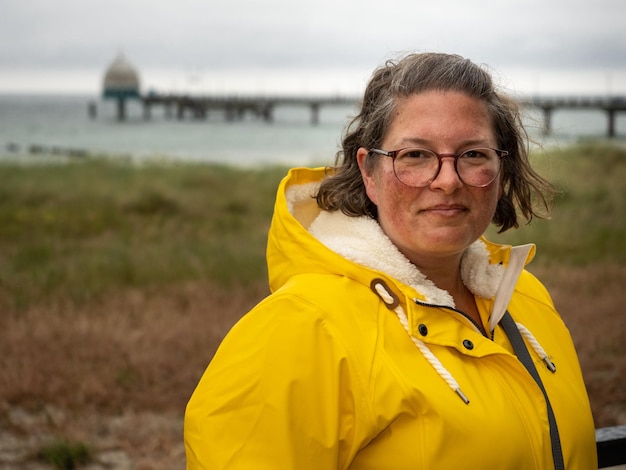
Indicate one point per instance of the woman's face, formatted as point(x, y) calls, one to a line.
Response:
point(445, 217)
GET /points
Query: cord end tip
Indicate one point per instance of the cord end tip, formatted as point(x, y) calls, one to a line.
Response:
point(549, 364)
point(462, 395)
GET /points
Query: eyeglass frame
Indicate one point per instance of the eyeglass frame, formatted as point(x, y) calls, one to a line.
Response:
point(440, 156)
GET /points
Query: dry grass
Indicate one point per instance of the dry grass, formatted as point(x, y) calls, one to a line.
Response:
point(139, 349)
point(590, 300)
point(116, 375)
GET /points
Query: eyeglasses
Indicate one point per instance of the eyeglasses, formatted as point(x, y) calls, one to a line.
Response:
point(418, 167)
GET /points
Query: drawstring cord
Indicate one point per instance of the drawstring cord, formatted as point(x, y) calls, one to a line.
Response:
point(536, 346)
point(393, 304)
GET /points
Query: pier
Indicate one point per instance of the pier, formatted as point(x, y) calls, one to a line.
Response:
point(236, 107)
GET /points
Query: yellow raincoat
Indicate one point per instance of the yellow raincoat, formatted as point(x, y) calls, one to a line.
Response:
point(353, 361)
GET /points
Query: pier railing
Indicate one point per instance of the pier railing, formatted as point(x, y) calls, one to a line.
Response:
point(236, 106)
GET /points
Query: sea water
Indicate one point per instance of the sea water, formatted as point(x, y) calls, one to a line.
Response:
point(34, 124)
point(43, 125)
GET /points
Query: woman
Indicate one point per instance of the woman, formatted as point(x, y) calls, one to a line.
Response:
point(381, 345)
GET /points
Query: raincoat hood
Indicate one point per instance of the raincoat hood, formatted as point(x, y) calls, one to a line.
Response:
point(304, 238)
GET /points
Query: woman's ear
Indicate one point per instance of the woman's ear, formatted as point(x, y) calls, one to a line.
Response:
point(367, 173)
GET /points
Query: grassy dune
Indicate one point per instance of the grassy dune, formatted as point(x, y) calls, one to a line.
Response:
point(79, 231)
point(117, 283)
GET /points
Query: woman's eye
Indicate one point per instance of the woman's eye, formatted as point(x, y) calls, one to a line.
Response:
point(416, 153)
point(471, 154)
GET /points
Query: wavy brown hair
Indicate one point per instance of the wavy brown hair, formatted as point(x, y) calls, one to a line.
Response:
point(523, 188)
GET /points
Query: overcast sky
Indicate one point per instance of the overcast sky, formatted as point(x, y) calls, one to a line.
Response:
point(296, 46)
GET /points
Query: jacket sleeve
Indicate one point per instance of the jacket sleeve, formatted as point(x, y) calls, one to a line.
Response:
point(281, 392)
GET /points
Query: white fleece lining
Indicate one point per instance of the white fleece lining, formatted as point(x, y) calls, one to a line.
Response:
point(301, 202)
point(362, 241)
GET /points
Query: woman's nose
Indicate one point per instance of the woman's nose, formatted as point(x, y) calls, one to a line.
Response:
point(447, 178)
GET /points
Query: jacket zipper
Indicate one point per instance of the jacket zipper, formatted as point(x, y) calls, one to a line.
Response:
point(478, 326)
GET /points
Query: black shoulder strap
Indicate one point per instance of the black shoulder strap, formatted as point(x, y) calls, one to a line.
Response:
point(510, 328)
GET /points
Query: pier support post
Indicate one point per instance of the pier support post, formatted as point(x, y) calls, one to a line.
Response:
point(547, 120)
point(92, 110)
point(268, 113)
point(315, 113)
point(147, 114)
point(611, 122)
